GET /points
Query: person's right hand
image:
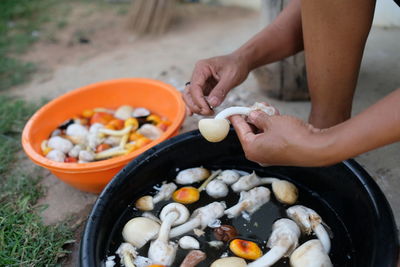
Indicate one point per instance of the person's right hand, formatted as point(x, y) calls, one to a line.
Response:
point(211, 81)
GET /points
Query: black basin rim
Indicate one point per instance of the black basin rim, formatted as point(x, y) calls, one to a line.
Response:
point(386, 231)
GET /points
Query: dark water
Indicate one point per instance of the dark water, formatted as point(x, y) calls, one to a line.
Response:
point(257, 228)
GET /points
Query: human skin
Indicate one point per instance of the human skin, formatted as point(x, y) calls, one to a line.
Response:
point(286, 140)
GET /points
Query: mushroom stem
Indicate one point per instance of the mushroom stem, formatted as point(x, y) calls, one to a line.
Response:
point(184, 228)
point(249, 201)
point(212, 176)
point(166, 226)
point(226, 113)
point(272, 256)
point(122, 132)
point(128, 259)
point(323, 236)
point(115, 151)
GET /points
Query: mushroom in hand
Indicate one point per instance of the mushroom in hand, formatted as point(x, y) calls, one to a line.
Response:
point(147, 203)
point(201, 217)
point(215, 130)
point(284, 191)
point(138, 231)
point(283, 240)
point(161, 250)
point(309, 221)
point(310, 254)
point(249, 201)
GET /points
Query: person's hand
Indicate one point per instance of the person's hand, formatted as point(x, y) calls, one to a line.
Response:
point(211, 81)
point(281, 140)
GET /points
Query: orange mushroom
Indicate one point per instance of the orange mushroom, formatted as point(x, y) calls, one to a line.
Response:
point(186, 195)
point(245, 249)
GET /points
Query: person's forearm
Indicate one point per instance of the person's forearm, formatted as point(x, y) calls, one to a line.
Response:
point(377, 126)
point(280, 39)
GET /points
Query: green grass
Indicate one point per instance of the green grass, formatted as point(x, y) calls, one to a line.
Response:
point(24, 239)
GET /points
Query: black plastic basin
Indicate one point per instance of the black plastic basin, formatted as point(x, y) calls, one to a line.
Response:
point(346, 197)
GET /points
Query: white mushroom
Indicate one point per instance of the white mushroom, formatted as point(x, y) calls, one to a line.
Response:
point(74, 152)
point(188, 242)
point(162, 251)
point(201, 217)
point(86, 156)
point(56, 155)
point(147, 202)
point(310, 254)
point(217, 189)
point(284, 191)
point(127, 253)
point(94, 138)
point(140, 230)
point(192, 175)
point(150, 131)
point(76, 130)
point(60, 144)
point(283, 240)
point(215, 130)
point(112, 140)
point(309, 221)
point(151, 216)
point(193, 258)
point(140, 112)
point(249, 201)
point(111, 152)
point(229, 261)
point(229, 176)
point(123, 112)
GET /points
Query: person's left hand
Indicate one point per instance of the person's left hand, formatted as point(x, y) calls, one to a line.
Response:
point(281, 140)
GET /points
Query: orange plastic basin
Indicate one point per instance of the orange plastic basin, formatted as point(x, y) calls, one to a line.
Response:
point(158, 97)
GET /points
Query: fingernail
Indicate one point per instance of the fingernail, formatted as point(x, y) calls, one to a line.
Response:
point(213, 101)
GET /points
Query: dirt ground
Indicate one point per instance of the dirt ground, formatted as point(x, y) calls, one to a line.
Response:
point(198, 32)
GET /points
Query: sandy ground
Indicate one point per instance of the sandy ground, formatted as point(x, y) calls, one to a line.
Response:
point(197, 33)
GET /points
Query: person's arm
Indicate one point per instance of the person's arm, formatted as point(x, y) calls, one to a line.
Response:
point(286, 140)
point(213, 78)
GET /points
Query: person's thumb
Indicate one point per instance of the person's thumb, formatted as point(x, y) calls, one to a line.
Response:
point(259, 119)
point(219, 92)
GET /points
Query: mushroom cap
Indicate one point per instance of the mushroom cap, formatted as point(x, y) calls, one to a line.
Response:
point(285, 232)
point(56, 155)
point(138, 231)
point(305, 217)
point(229, 261)
point(123, 112)
point(145, 203)
point(229, 176)
point(209, 213)
point(150, 131)
point(188, 242)
point(183, 212)
point(214, 130)
point(310, 254)
point(59, 143)
point(285, 192)
point(217, 189)
point(192, 175)
point(76, 129)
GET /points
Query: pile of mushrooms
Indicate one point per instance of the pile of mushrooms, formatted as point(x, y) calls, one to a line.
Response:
point(175, 228)
point(101, 133)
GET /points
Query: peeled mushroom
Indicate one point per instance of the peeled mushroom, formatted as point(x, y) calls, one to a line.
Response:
point(161, 250)
point(217, 189)
point(310, 254)
point(192, 175)
point(61, 144)
point(150, 131)
point(309, 221)
point(215, 130)
point(138, 231)
point(284, 191)
point(123, 112)
point(249, 201)
point(86, 156)
point(147, 203)
point(188, 242)
point(77, 130)
point(56, 155)
point(229, 177)
point(283, 240)
point(201, 217)
point(229, 261)
point(127, 253)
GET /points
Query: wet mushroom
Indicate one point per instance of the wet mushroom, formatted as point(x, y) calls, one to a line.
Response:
point(127, 253)
point(188, 242)
point(283, 240)
point(147, 203)
point(192, 175)
point(161, 250)
point(284, 191)
point(309, 221)
point(229, 261)
point(310, 254)
point(201, 217)
point(245, 249)
point(229, 177)
point(225, 232)
point(217, 189)
point(140, 230)
point(215, 130)
point(249, 201)
point(193, 258)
